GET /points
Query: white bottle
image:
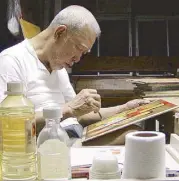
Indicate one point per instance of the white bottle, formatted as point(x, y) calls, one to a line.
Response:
point(53, 149)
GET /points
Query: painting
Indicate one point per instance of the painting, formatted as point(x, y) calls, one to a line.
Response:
point(127, 118)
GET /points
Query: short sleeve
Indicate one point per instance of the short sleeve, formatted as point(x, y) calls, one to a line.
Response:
point(9, 71)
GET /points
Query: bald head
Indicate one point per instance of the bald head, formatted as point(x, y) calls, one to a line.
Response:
point(76, 18)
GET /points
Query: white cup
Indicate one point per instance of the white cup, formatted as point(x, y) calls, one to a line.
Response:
point(105, 166)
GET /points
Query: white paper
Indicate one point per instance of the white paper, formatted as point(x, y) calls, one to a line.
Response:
point(84, 156)
point(68, 122)
point(171, 164)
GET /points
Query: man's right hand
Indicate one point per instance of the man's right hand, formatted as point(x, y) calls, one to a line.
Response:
point(86, 101)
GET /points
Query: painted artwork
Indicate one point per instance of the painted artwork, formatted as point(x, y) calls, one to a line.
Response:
point(127, 118)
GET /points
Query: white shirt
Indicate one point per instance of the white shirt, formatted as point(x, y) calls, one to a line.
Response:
point(20, 63)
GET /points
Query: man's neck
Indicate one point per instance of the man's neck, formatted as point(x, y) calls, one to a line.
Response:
point(40, 46)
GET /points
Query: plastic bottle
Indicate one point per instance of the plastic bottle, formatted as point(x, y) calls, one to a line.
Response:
point(53, 148)
point(18, 135)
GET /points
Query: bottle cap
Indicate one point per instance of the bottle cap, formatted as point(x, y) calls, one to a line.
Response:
point(15, 87)
point(52, 113)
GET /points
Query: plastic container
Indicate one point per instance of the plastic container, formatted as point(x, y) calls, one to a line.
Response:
point(53, 148)
point(105, 166)
point(18, 135)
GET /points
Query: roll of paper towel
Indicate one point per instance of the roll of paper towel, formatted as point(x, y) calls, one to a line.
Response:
point(144, 155)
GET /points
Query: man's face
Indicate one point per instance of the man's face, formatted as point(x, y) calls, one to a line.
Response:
point(69, 48)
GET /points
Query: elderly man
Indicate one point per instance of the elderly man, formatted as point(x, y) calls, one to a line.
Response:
point(39, 62)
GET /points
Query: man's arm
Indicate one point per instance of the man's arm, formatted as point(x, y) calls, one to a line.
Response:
point(92, 117)
point(104, 113)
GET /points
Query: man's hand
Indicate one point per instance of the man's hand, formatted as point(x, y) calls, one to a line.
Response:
point(86, 101)
point(135, 103)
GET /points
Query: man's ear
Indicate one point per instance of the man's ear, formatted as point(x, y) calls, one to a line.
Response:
point(58, 32)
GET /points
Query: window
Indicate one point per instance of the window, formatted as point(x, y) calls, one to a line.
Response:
point(151, 37)
point(114, 40)
point(173, 33)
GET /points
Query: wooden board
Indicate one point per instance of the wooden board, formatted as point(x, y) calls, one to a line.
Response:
point(152, 64)
point(126, 118)
point(155, 81)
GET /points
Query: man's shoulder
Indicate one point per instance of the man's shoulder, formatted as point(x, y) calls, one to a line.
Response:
point(14, 51)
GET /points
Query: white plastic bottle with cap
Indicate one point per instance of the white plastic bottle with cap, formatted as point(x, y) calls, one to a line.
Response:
point(53, 148)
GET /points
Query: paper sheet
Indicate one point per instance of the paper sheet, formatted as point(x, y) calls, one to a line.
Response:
point(84, 156)
point(170, 162)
